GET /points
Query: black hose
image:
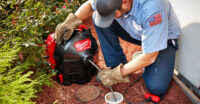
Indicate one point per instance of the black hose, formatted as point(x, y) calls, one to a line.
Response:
point(133, 82)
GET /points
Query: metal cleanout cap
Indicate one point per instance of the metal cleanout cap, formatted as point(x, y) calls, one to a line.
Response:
point(87, 93)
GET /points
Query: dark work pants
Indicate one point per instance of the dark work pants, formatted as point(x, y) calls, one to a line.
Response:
point(157, 76)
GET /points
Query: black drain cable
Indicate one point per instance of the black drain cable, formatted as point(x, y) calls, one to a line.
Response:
point(132, 83)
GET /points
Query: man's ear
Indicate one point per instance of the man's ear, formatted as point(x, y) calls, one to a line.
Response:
point(124, 1)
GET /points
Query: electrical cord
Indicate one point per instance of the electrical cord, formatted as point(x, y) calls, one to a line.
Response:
point(132, 83)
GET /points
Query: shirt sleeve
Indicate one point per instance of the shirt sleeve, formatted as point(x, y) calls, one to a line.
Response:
point(93, 4)
point(155, 30)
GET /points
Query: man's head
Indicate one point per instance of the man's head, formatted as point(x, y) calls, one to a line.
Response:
point(108, 9)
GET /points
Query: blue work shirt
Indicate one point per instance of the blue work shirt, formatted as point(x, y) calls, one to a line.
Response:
point(151, 21)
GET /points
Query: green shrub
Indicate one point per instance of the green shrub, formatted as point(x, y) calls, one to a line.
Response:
point(24, 26)
point(33, 18)
point(15, 87)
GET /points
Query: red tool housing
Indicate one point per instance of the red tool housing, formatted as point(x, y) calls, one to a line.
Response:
point(154, 98)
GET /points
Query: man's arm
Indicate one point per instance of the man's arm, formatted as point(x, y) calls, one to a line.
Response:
point(84, 11)
point(138, 63)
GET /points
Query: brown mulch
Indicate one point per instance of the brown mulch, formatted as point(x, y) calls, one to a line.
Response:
point(60, 94)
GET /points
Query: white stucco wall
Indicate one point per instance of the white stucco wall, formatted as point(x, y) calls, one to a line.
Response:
point(188, 55)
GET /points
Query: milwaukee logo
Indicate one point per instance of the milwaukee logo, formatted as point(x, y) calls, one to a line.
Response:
point(82, 45)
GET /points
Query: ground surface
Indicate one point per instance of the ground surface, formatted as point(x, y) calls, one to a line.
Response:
point(66, 94)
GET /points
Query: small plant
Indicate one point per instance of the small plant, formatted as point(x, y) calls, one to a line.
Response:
point(15, 87)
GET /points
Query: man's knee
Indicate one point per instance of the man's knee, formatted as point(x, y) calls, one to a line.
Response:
point(157, 89)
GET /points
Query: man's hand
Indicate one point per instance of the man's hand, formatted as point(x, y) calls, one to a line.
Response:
point(64, 30)
point(112, 76)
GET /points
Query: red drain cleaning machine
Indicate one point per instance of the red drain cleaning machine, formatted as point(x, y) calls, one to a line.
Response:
point(70, 59)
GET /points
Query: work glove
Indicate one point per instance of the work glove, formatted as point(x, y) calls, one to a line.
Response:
point(64, 30)
point(113, 76)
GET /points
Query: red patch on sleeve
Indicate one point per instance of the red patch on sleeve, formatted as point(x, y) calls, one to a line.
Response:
point(156, 19)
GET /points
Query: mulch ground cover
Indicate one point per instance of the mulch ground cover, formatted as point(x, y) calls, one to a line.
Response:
point(60, 94)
